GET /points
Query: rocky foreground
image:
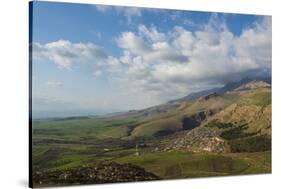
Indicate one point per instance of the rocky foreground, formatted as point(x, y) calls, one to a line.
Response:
point(104, 172)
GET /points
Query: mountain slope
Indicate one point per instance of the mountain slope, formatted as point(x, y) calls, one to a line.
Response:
point(242, 126)
point(248, 99)
point(228, 87)
point(187, 116)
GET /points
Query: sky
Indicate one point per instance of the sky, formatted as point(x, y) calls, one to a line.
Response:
point(96, 59)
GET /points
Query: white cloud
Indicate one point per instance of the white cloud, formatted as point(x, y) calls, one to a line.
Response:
point(126, 58)
point(133, 43)
point(254, 44)
point(65, 53)
point(150, 46)
point(112, 61)
point(103, 8)
point(152, 34)
point(183, 40)
point(54, 83)
point(182, 61)
point(128, 12)
point(97, 73)
point(175, 15)
point(189, 22)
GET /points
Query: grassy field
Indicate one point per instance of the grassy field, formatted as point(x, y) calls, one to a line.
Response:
point(81, 129)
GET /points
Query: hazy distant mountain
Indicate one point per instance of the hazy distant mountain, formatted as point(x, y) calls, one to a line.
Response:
point(178, 103)
point(222, 90)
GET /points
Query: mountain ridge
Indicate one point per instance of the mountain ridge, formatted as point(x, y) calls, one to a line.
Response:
point(220, 90)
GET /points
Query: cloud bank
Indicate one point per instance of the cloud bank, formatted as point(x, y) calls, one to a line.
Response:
point(65, 53)
point(166, 65)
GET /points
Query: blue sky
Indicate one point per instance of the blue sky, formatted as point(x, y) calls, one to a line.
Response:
point(97, 59)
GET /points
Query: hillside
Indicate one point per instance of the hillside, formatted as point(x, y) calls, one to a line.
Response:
point(187, 114)
point(243, 125)
point(228, 87)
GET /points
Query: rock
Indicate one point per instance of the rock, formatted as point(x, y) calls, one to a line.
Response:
point(104, 172)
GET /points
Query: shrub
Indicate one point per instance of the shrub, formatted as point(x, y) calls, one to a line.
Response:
point(251, 144)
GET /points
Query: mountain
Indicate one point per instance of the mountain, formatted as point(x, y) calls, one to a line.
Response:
point(243, 108)
point(222, 90)
point(244, 125)
point(253, 85)
point(178, 103)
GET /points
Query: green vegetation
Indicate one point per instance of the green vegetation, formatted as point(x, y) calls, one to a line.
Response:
point(216, 123)
point(81, 129)
point(251, 144)
point(187, 165)
point(157, 128)
point(240, 139)
point(258, 98)
point(236, 132)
